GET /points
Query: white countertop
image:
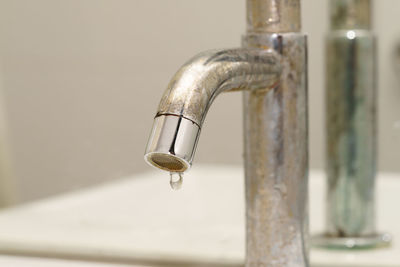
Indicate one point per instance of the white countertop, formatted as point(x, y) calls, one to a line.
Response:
point(139, 219)
point(18, 261)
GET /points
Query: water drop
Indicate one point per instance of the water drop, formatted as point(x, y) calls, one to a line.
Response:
point(176, 180)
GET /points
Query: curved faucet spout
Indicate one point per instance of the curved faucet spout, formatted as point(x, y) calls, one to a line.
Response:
point(185, 103)
point(197, 83)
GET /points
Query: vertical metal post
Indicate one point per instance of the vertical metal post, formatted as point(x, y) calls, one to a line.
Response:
point(350, 128)
point(276, 142)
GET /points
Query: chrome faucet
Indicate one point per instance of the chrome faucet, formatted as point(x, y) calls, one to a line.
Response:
point(351, 128)
point(271, 70)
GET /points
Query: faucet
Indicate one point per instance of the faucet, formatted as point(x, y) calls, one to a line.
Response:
point(271, 71)
point(351, 129)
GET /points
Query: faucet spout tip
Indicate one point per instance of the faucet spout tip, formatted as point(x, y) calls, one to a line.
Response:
point(172, 143)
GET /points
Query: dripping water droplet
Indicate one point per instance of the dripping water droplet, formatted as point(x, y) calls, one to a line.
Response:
point(176, 180)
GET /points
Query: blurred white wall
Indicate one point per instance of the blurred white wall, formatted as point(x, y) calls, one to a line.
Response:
point(8, 189)
point(82, 79)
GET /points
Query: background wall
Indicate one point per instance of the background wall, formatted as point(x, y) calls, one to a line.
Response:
point(82, 79)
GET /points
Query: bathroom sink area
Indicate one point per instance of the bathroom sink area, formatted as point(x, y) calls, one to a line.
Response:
point(140, 220)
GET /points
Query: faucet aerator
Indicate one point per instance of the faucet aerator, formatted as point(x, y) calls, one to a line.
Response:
point(167, 162)
point(172, 143)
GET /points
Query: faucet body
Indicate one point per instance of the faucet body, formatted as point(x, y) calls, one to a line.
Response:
point(271, 70)
point(350, 127)
point(276, 158)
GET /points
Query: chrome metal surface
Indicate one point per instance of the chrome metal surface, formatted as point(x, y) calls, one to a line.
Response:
point(272, 72)
point(351, 133)
point(351, 130)
point(191, 92)
point(350, 14)
point(198, 82)
point(272, 16)
point(340, 243)
point(276, 159)
point(172, 143)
